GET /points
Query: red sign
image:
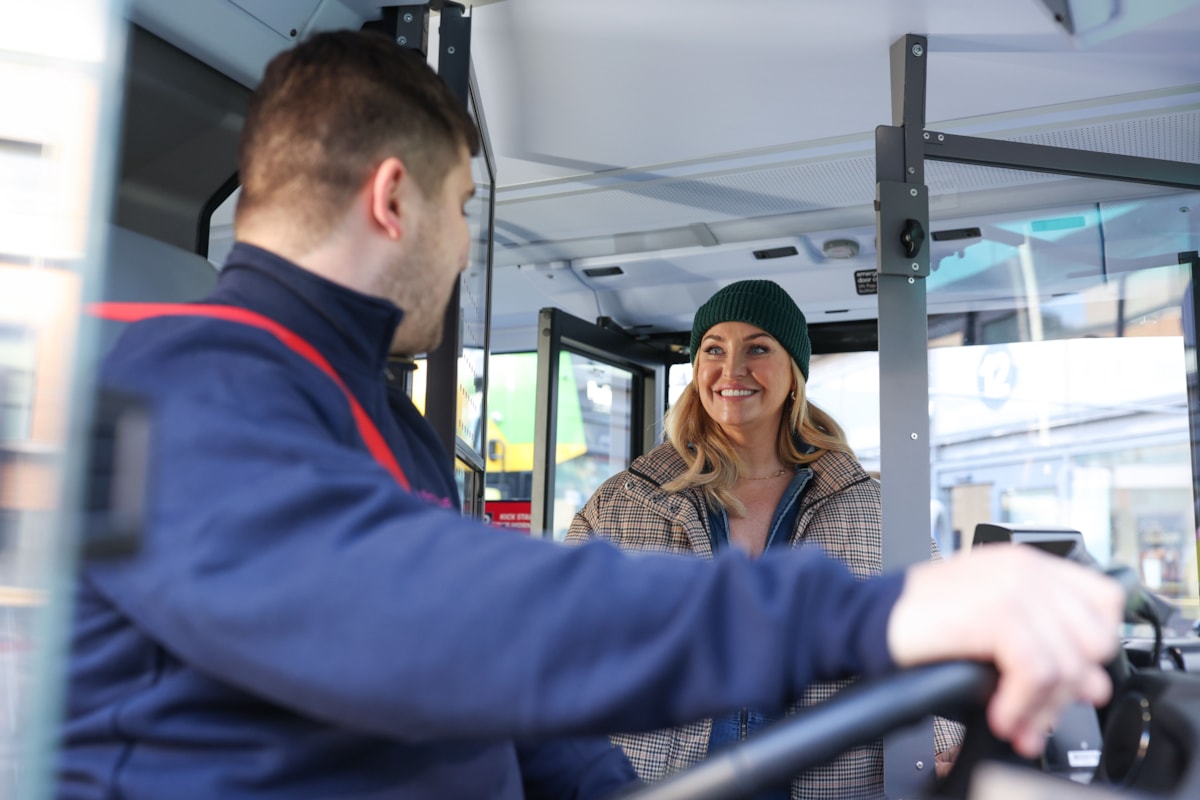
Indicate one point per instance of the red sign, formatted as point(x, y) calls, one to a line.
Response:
point(507, 513)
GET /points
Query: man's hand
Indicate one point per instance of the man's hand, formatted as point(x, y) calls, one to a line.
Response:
point(1047, 624)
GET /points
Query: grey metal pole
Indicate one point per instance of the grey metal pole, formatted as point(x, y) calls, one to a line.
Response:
point(902, 220)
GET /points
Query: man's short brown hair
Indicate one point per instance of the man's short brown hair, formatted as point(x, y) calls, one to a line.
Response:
point(329, 110)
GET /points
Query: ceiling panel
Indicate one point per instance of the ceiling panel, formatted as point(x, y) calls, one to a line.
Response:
point(563, 211)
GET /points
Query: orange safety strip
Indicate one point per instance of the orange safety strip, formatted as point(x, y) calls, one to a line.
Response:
point(133, 312)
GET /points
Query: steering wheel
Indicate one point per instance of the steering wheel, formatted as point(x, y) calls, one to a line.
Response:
point(1151, 736)
point(858, 714)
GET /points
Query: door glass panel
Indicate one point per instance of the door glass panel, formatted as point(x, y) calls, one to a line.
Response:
point(471, 379)
point(592, 431)
point(467, 478)
point(595, 403)
point(511, 408)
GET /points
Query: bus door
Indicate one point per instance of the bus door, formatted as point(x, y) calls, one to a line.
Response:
point(600, 398)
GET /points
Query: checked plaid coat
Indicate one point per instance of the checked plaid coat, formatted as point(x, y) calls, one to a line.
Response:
point(840, 511)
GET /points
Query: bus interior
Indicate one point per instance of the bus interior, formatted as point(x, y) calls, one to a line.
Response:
point(988, 211)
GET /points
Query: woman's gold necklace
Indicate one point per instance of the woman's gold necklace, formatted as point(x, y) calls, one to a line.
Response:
point(776, 474)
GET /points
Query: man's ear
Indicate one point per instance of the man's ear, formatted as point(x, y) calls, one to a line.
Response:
point(389, 186)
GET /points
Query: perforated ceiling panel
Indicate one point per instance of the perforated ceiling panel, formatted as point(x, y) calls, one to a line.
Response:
point(1173, 137)
point(709, 193)
point(943, 178)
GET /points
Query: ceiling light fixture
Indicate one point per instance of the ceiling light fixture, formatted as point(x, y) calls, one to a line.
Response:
point(840, 248)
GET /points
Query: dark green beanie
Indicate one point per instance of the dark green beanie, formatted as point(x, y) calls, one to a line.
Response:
point(763, 304)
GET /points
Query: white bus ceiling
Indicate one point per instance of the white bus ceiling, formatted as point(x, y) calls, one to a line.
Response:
point(673, 139)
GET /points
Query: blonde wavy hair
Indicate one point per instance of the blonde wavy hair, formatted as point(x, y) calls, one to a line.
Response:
point(712, 462)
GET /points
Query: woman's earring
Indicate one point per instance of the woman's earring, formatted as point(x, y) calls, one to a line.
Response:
point(793, 395)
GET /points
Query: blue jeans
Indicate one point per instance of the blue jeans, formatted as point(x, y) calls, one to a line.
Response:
point(733, 728)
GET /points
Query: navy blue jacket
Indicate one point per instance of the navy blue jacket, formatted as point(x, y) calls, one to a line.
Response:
point(296, 625)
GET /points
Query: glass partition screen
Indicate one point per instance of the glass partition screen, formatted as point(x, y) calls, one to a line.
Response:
point(1058, 388)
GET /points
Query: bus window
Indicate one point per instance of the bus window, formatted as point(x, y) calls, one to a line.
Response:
point(18, 358)
point(220, 229)
point(844, 384)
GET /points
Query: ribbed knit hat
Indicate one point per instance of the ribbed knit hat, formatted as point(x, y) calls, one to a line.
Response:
point(763, 304)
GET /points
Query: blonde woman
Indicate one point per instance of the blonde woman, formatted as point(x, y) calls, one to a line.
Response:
point(749, 464)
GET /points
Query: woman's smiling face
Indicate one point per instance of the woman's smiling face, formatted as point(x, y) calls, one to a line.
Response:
point(743, 376)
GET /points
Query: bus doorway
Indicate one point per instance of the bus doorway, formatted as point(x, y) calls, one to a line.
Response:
point(600, 398)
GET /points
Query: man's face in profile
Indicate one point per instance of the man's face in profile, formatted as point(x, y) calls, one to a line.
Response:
point(436, 255)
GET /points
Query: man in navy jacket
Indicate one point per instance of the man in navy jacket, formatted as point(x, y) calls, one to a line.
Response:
point(310, 616)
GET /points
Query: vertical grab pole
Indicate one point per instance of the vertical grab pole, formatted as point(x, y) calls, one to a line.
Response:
point(902, 220)
point(545, 426)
